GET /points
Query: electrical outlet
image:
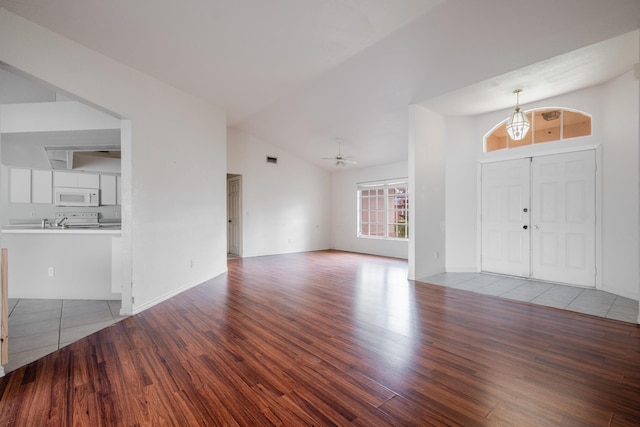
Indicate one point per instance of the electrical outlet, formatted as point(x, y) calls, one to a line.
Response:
point(52, 272)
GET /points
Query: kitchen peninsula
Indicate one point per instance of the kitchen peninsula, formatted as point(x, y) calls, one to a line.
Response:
point(65, 263)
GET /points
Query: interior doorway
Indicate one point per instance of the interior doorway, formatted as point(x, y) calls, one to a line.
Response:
point(538, 218)
point(234, 215)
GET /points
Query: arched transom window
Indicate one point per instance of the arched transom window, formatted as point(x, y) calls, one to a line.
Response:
point(547, 125)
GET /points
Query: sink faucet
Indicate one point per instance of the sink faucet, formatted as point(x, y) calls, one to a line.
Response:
point(59, 223)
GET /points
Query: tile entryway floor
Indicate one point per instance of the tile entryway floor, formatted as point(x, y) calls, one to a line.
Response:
point(581, 300)
point(38, 327)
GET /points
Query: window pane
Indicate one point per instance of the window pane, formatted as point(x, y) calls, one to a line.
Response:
point(547, 126)
point(383, 211)
point(575, 124)
point(497, 140)
point(402, 231)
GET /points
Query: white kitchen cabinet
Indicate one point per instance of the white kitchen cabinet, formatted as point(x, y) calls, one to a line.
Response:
point(88, 180)
point(118, 190)
point(108, 191)
point(76, 180)
point(65, 179)
point(41, 186)
point(19, 185)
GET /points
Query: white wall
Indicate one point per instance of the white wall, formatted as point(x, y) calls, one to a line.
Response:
point(344, 202)
point(614, 107)
point(427, 187)
point(620, 252)
point(286, 207)
point(53, 117)
point(173, 174)
point(461, 195)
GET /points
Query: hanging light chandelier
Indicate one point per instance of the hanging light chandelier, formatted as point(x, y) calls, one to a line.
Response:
point(517, 125)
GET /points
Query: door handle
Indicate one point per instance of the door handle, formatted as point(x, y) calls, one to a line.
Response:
point(525, 227)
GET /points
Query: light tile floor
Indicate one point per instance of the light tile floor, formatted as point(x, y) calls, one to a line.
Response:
point(38, 327)
point(581, 300)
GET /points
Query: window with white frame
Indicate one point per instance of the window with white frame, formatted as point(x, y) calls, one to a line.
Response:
point(383, 209)
point(548, 124)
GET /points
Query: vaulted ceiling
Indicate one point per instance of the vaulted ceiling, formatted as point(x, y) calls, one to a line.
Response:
point(299, 73)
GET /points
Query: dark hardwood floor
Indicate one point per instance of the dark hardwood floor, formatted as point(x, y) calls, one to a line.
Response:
point(333, 338)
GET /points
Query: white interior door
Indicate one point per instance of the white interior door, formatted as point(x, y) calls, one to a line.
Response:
point(538, 218)
point(505, 217)
point(563, 218)
point(234, 215)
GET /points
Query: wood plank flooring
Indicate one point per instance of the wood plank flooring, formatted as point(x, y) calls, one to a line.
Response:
point(332, 338)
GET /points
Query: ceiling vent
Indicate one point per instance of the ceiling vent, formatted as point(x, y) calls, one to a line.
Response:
point(273, 160)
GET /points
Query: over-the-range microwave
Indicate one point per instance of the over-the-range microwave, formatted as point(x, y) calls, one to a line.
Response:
point(70, 196)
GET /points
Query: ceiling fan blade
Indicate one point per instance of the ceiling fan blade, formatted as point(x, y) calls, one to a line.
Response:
point(341, 160)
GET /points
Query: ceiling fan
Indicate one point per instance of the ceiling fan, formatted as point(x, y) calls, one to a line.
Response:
point(340, 159)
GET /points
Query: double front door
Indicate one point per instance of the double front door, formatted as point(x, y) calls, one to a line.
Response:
point(538, 217)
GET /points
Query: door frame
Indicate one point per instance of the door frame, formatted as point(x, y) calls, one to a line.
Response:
point(536, 151)
point(239, 178)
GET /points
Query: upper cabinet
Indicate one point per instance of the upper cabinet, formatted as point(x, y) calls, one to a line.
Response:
point(41, 187)
point(19, 185)
point(108, 191)
point(36, 186)
point(30, 186)
point(76, 180)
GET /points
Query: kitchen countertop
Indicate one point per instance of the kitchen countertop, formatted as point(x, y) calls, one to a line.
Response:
point(113, 229)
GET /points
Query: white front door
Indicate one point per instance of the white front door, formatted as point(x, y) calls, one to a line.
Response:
point(563, 220)
point(505, 217)
point(538, 218)
point(233, 215)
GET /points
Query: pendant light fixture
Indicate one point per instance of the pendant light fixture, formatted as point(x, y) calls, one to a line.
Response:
point(517, 125)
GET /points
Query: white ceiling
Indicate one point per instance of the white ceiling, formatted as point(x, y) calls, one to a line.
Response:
point(299, 73)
